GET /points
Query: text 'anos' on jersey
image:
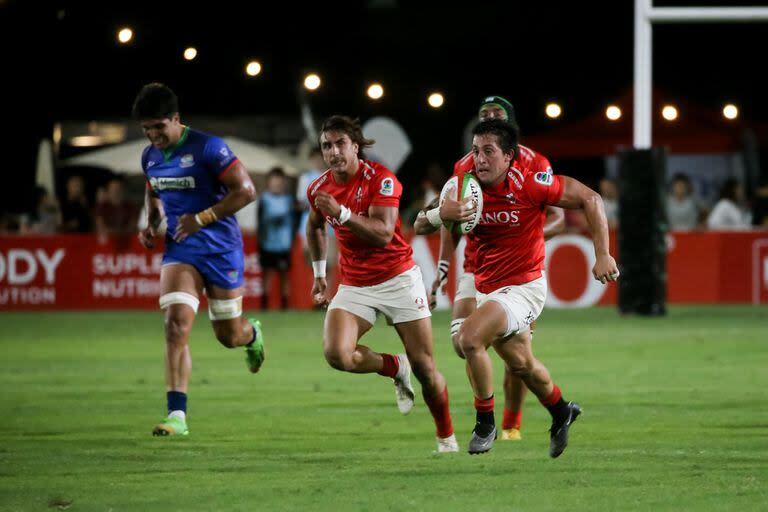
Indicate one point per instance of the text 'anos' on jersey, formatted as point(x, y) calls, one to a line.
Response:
point(526, 161)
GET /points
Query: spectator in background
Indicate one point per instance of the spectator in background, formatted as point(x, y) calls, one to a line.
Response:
point(610, 194)
point(114, 214)
point(317, 166)
point(46, 218)
point(728, 213)
point(276, 233)
point(75, 212)
point(683, 212)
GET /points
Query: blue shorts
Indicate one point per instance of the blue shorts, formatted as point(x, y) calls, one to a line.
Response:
point(223, 269)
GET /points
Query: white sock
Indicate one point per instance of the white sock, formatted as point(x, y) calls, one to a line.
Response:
point(178, 414)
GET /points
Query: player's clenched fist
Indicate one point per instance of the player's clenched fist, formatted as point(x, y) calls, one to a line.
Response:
point(327, 204)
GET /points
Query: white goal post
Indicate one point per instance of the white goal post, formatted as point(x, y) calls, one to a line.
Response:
point(645, 16)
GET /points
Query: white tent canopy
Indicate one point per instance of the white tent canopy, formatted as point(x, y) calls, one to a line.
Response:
point(126, 157)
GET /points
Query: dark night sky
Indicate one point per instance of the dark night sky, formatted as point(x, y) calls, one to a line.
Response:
point(62, 62)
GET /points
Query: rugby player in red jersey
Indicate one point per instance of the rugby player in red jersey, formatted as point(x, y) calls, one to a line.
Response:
point(464, 302)
point(510, 280)
point(360, 200)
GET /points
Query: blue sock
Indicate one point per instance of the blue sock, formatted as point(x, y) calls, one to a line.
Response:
point(177, 401)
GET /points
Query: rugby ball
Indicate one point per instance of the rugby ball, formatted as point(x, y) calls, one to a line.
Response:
point(464, 186)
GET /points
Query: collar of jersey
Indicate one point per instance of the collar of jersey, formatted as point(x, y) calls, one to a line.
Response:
point(360, 167)
point(168, 152)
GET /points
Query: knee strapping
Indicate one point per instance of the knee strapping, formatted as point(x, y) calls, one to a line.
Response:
point(456, 325)
point(179, 298)
point(225, 309)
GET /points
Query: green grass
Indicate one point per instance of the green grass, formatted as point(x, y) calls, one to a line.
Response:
point(675, 418)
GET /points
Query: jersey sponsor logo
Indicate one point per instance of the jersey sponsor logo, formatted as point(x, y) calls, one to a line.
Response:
point(544, 178)
point(503, 217)
point(529, 318)
point(514, 179)
point(387, 187)
point(333, 221)
point(172, 183)
point(322, 179)
point(187, 161)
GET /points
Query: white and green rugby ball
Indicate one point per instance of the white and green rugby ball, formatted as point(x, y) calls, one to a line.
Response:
point(463, 187)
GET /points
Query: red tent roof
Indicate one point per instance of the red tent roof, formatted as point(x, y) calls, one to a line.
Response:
point(696, 130)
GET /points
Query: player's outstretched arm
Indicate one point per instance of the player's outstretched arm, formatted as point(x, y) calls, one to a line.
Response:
point(431, 218)
point(448, 243)
point(423, 226)
point(554, 224)
point(578, 196)
point(317, 243)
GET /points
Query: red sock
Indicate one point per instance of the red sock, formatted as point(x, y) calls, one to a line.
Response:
point(552, 399)
point(512, 419)
point(484, 405)
point(438, 406)
point(390, 367)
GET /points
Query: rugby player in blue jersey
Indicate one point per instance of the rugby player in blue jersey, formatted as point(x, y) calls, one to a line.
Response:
point(197, 184)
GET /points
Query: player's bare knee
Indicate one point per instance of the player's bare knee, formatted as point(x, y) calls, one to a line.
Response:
point(457, 346)
point(519, 366)
point(455, 328)
point(177, 329)
point(470, 340)
point(339, 360)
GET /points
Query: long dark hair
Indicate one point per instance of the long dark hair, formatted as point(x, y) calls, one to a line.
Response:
point(352, 128)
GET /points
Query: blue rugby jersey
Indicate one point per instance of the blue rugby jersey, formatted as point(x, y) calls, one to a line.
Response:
point(186, 177)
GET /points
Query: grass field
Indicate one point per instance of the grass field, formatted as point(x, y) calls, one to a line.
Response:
point(675, 418)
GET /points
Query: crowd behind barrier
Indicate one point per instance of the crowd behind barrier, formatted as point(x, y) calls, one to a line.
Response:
point(86, 271)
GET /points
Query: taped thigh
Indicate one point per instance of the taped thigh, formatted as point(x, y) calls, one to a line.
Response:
point(179, 298)
point(225, 309)
point(456, 325)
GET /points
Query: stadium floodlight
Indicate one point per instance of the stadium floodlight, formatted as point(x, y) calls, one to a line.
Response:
point(669, 112)
point(375, 91)
point(312, 82)
point(436, 100)
point(253, 68)
point(190, 53)
point(730, 111)
point(613, 113)
point(125, 35)
point(553, 110)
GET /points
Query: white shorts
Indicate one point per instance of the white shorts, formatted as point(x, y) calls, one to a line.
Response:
point(400, 299)
point(465, 288)
point(523, 303)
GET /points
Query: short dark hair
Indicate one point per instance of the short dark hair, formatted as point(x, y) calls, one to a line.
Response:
point(507, 134)
point(155, 101)
point(276, 172)
point(351, 127)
